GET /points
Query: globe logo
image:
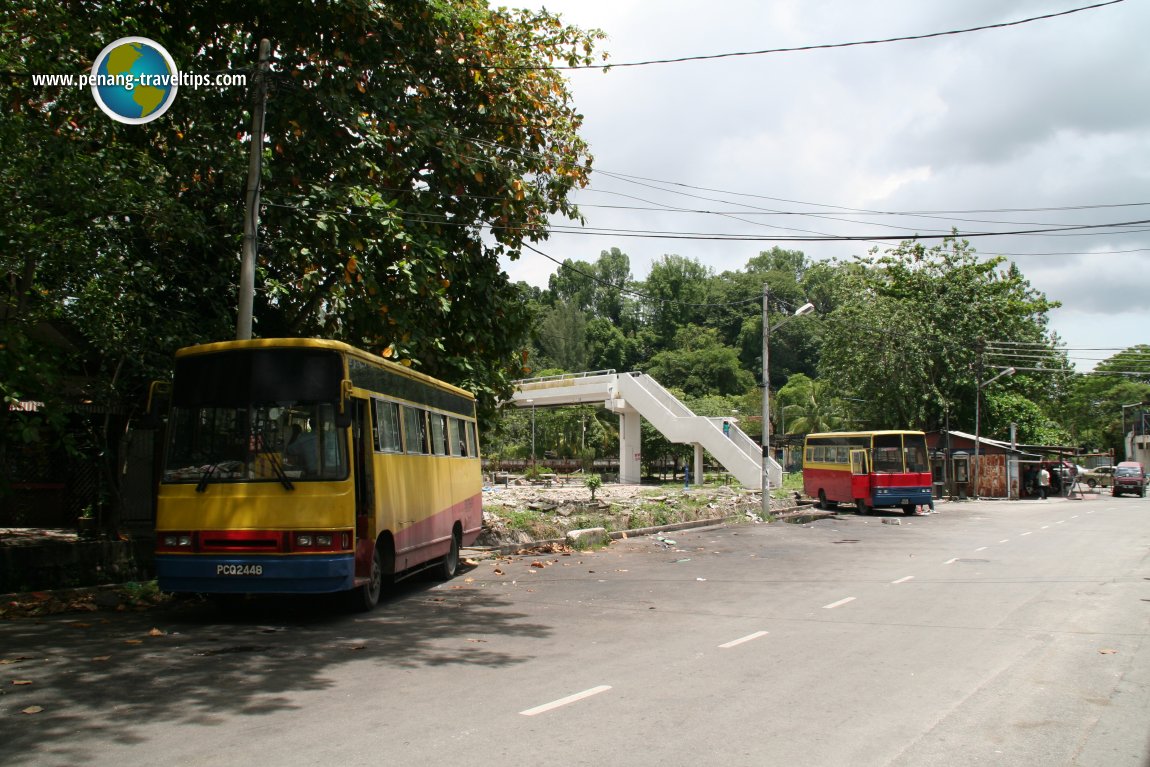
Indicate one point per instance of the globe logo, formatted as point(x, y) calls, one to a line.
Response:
point(134, 80)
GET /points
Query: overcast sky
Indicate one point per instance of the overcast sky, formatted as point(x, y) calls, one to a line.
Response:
point(1036, 126)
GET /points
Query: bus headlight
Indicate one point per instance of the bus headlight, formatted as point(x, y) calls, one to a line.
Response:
point(303, 540)
point(323, 541)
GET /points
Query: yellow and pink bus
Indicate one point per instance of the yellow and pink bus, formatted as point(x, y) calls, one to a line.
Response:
point(871, 469)
point(308, 466)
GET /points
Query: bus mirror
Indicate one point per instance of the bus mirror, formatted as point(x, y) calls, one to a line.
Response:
point(159, 400)
point(343, 415)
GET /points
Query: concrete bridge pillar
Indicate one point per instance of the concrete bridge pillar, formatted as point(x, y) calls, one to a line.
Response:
point(630, 448)
point(697, 473)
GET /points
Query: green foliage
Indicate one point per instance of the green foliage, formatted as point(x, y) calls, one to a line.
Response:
point(594, 482)
point(396, 134)
point(904, 335)
point(700, 365)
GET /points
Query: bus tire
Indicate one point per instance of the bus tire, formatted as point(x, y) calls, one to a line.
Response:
point(366, 597)
point(910, 510)
point(861, 507)
point(449, 566)
point(824, 503)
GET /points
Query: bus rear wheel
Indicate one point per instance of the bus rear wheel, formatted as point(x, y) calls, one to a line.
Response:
point(824, 503)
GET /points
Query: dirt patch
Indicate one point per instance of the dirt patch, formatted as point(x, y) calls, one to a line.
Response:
point(516, 514)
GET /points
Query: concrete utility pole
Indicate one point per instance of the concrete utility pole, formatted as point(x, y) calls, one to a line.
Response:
point(252, 203)
point(766, 509)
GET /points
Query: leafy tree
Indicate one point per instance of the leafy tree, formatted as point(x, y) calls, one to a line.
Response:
point(563, 337)
point(1092, 409)
point(700, 365)
point(676, 291)
point(904, 336)
point(397, 134)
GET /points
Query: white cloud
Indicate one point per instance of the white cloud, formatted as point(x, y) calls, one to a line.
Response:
point(1050, 114)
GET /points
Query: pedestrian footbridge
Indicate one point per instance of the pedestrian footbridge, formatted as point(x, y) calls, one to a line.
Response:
point(632, 395)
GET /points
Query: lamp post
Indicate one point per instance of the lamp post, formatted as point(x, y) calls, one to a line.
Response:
point(806, 308)
point(978, 423)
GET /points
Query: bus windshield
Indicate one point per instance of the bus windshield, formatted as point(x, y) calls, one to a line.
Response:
point(898, 453)
point(258, 442)
point(250, 415)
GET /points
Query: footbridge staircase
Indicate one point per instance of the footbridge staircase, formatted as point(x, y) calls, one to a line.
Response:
point(635, 395)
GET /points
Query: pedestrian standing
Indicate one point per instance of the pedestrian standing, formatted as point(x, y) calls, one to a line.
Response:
point(1043, 482)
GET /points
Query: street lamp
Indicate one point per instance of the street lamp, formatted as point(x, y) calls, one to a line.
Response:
point(978, 423)
point(806, 308)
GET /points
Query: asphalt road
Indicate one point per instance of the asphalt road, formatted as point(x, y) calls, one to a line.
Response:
point(992, 633)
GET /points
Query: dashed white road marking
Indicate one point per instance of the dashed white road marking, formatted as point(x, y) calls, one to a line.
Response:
point(1045, 527)
point(1005, 540)
point(747, 638)
point(565, 701)
point(903, 580)
point(981, 548)
point(1027, 533)
point(951, 561)
point(1059, 522)
point(839, 603)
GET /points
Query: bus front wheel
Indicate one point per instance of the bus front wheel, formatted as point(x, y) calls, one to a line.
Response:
point(366, 597)
point(450, 564)
point(861, 507)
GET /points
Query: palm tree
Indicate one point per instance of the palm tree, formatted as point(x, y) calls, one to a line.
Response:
point(818, 409)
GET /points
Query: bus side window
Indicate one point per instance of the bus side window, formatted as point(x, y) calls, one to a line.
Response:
point(415, 430)
point(387, 420)
point(438, 434)
point(456, 437)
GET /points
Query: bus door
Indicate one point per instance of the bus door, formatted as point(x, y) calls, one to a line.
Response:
point(860, 475)
point(363, 468)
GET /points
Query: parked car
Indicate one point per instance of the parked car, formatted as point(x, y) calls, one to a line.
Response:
point(1099, 476)
point(1129, 477)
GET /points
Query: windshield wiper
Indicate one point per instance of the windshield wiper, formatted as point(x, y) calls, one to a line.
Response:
point(203, 483)
point(278, 468)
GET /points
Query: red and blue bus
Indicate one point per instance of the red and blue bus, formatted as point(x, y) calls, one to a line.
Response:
point(308, 466)
point(871, 469)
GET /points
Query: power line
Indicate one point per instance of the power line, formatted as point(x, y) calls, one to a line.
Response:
point(825, 46)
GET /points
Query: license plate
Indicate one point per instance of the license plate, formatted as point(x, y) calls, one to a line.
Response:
point(239, 569)
point(904, 501)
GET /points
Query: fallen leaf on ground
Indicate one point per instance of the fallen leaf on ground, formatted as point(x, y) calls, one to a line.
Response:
point(21, 682)
point(156, 633)
point(1107, 651)
point(497, 571)
point(133, 641)
point(32, 710)
point(102, 658)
